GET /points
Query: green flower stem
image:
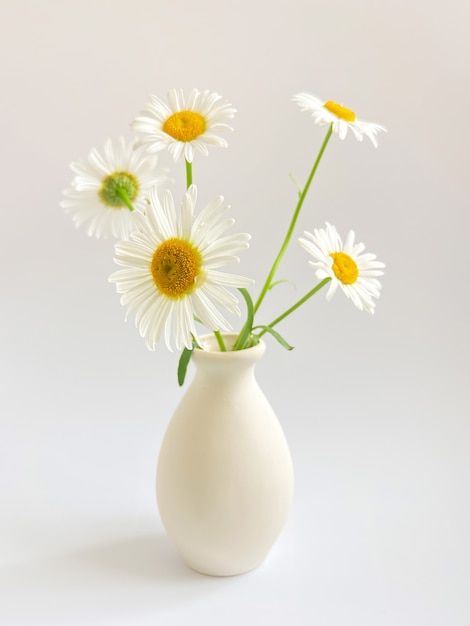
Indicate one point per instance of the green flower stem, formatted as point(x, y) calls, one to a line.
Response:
point(296, 305)
point(125, 198)
point(220, 341)
point(244, 336)
point(302, 197)
point(189, 174)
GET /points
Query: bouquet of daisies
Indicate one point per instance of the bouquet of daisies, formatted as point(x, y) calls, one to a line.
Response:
point(171, 255)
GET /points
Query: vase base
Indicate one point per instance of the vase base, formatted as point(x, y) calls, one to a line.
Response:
point(222, 572)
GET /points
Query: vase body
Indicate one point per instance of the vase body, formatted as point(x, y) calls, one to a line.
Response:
point(224, 476)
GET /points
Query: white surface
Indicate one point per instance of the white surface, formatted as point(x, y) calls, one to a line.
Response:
point(375, 408)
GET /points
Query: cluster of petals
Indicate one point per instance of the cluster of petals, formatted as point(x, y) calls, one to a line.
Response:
point(326, 241)
point(322, 115)
point(83, 201)
point(215, 112)
point(157, 313)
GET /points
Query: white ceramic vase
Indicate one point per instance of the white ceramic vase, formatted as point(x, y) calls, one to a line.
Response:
point(224, 477)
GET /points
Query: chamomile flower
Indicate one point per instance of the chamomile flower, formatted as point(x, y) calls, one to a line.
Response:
point(171, 270)
point(339, 116)
point(109, 188)
point(184, 125)
point(346, 265)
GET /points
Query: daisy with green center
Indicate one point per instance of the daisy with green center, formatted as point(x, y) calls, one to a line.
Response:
point(108, 188)
point(338, 116)
point(171, 273)
point(184, 125)
point(345, 265)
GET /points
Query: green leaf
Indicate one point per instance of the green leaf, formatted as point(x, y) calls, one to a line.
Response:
point(246, 330)
point(183, 364)
point(276, 335)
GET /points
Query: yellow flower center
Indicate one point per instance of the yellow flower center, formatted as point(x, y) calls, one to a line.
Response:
point(344, 267)
point(185, 125)
point(342, 112)
point(175, 267)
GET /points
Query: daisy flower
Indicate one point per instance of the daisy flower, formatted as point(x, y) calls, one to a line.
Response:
point(345, 264)
point(107, 188)
point(171, 270)
point(184, 125)
point(339, 116)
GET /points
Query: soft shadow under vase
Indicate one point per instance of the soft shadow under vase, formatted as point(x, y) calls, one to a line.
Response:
point(224, 477)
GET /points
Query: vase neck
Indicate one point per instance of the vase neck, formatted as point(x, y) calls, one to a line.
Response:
point(211, 362)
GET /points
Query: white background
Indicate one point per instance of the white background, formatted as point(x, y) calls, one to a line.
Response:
point(375, 409)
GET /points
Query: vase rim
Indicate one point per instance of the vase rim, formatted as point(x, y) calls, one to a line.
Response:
point(211, 347)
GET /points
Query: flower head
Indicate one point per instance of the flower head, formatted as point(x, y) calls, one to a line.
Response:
point(184, 125)
point(345, 264)
point(106, 189)
point(339, 116)
point(171, 273)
